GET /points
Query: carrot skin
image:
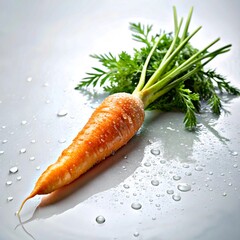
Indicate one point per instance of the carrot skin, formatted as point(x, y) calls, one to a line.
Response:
point(111, 126)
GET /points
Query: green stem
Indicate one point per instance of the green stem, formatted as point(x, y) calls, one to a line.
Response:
point(185, 31)
point(168, 82)
point(154, 78)
point(144, 70)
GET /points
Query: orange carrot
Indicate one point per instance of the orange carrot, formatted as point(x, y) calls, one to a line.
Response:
point(110, 127)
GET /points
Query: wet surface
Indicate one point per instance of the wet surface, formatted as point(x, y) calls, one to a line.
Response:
point(165, 182)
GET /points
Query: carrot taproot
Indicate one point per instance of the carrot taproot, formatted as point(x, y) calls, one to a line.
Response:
point(111, 126)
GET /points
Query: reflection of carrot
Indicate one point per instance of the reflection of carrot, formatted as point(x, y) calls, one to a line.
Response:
point(110, 127)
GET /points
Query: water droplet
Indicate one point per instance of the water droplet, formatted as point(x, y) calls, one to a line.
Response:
point(62, 140)
point(136, 234)
point(100, 219)
point(176, 178)
point(33, 141)
point(184, 187)
point(185, 165)
point(38, 168)
point(23, 122)
point(224, 194)
point(176, 197)
point(13, 169)
point(162, 161)
point(126, 186)
point(23, 150)
point(46, 84)
point(155, 151)
point(19, 178)
point(9, 199)
point(4, 141)
point(1, 152)
point(8, 183)
point(32, 158)
point(136, 206)
point(188, 173)
point(29, 79)
point(234, 153)
point(170, 191)
point(62, 113)
point(155, 182)
point(210, 173)
point(147, 164)
point(235, 165)
point(198, 168)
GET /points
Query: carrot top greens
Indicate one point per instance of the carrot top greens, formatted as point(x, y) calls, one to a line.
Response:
point(167, 73)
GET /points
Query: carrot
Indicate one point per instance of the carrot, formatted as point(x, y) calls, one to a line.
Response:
point(110, 127)
point(172, 77)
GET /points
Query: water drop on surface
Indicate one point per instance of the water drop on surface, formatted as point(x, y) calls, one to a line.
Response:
point(100, 219)
point(33, 141)
point(147, 164)
point(155, 182)
point(136, 206)
point(185, 165)
point(29, 79)
point(13, 169)
point(23, 122)
point(62, 113)
point(235, 165)
point(126, 186)
point(4, 141)
point(184, 187)
point(170, 191)
point(62, 140)
point(188, 173)
point(234, 153)
point(38, 168)
point(162, 161)
point(176, 178)
point(224, 194)
point(9, 199)
point(136, 234)
point(198, 168)
point(8, 183)
point(19, 178)
point(1, 152)
point(22, 150)
point(32, 158)
point(155, 151)
point(176, 197)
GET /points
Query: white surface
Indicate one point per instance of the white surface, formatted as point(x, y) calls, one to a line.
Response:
point(44, 52)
